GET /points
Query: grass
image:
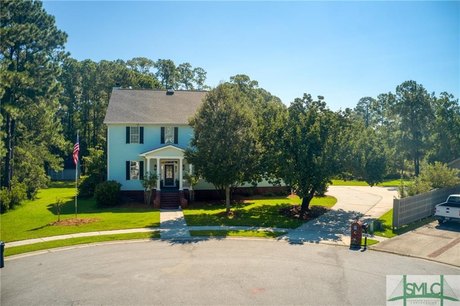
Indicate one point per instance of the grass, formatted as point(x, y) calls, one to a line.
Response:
point(235, 233)
point(392, 183)
point(256, 211)
point(369, 241)
point(387, 222)
point(79, 240)
point(33, 218)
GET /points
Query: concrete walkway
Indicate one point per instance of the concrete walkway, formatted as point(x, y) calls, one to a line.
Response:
point(173, 225)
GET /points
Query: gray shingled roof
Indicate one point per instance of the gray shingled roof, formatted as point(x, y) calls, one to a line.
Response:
point(152, 106)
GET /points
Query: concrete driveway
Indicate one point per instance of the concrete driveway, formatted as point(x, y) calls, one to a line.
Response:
point(432, 241)
point(352, 202)
point(370, 202)
point(213, 272)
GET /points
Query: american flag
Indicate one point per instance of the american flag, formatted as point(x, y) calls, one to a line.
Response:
point(76, 150)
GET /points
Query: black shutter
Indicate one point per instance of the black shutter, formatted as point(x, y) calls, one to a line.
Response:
point(127, 169)
point(127, 134)
point(162, 135)
point(141, 170)
point(176, 135)
point(141, 136)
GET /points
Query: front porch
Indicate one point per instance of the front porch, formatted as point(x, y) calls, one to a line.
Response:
point(171, 168)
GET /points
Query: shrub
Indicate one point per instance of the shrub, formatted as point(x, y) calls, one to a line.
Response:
point(418, 186)
point(439, 175)
point(9, 199)
point(87, 186)
point(107, 193)
point(4, 200)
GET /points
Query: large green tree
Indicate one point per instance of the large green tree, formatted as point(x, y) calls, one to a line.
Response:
point(166, 73)
point(31, 49)
point(310, 154)
point(366, 153)
point(414, 110)
point(446, 129)
point(87, 86)
point(223, 148)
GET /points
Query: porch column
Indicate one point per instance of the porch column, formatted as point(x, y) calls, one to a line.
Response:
point(180, 173)
point(158, 174)
point(148, 166)
point(190, 169)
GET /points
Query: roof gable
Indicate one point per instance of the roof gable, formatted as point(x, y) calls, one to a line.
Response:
point(152, 106)
point(165, 151)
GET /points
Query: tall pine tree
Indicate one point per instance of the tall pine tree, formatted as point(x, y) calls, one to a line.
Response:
point(31, 50)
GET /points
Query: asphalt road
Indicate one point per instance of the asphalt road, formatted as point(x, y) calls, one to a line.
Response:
point(214, 272)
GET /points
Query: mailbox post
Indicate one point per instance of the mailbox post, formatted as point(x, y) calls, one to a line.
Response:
point(356, 234)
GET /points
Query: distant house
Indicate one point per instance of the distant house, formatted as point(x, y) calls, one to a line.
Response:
point(148, 131)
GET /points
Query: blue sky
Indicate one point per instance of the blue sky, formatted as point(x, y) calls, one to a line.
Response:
point(341, 50)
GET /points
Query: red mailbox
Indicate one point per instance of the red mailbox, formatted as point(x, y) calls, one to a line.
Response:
point(356, 234)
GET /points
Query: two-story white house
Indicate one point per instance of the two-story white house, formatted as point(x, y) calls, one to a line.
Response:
point(147, 132)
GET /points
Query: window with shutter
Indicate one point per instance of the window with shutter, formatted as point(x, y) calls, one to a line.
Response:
point(134, 136)
point(169, 135)
point(134, 170)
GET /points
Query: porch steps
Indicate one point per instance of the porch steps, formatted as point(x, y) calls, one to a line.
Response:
point(170, 200)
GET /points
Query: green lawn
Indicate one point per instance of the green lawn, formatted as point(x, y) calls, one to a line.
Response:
point(369, 241)
point(256, 211)
point(79, 240)
point(387, 221)
point(237, 233)
point(392, 183)
point(33, 218)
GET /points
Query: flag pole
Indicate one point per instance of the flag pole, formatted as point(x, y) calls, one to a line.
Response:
point(76, 180)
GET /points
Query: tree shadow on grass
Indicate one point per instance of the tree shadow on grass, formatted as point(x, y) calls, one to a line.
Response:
point(259, 216)
point(237, 203)
point(331, 227)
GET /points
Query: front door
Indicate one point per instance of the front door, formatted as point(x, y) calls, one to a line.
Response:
point(169, 175)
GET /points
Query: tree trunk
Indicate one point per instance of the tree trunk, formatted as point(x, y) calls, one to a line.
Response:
point(148, 197)
point(8, 171)
point(227, 199)
point(306, 203)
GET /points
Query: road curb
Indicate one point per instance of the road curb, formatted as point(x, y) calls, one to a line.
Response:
point(414, 256)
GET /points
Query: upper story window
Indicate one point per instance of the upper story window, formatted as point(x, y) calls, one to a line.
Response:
point(170, 135)
point(134, 134)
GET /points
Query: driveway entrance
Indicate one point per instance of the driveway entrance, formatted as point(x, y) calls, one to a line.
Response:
point(432, 241)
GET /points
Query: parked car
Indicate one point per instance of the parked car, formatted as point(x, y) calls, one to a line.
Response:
point(449, 210)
